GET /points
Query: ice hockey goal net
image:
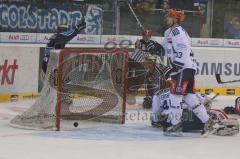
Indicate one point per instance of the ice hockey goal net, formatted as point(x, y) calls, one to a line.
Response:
point(80, 85)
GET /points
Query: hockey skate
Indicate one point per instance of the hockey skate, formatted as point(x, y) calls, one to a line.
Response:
point(174, 130)
point(211, 126)
point(156, 124)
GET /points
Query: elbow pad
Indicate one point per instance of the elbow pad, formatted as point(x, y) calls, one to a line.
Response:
point(175, 69)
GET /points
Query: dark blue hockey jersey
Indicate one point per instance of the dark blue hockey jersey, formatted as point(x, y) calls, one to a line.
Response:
point(59, 40)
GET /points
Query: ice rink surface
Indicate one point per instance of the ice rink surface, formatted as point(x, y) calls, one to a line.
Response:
point(135, 140)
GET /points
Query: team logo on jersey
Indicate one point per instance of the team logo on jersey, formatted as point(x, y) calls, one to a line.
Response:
point(181, 45)
point(175, 32)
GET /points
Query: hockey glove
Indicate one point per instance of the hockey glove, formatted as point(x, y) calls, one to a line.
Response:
point(81, 25)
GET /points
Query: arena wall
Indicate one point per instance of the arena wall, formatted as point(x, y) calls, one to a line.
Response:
point(20, 53)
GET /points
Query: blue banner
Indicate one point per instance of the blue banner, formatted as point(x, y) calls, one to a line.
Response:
point(20, 17)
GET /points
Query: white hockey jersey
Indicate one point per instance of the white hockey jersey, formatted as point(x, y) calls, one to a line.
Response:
point(177, 45)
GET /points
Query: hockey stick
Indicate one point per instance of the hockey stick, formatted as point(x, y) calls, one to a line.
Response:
point(135, 16)
point(211, 99)
point(219, 80)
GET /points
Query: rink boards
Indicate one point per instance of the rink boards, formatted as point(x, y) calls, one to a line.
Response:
point(20, 63)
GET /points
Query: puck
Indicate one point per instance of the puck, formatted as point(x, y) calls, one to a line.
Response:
point(75, 124)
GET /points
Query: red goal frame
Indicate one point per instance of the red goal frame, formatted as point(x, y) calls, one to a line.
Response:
point(61, 60)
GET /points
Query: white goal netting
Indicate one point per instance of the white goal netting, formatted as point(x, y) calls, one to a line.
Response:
point(80, 85)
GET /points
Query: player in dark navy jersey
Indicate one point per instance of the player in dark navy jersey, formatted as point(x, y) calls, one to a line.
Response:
point(60, 39)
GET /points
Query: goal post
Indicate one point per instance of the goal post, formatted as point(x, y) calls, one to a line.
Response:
point(79, 86)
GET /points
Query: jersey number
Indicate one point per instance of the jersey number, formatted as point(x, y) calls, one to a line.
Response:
point(166, 104)
point(179, 55)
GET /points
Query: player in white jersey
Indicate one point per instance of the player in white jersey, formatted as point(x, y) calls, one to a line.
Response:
point(177, 46)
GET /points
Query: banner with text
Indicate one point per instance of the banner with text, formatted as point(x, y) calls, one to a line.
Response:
point(24, 17)
point(18, 70)
point(211, 61)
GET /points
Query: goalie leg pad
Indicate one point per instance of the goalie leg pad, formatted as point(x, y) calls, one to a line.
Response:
point(197, 107)
point(228, 127)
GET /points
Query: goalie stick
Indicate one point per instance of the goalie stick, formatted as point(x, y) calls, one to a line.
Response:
point(209, 101)
point(219, 80)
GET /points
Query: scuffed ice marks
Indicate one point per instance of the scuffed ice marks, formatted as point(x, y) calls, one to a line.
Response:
point(117, 133)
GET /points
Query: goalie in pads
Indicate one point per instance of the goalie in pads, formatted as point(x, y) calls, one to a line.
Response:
point(190, 122)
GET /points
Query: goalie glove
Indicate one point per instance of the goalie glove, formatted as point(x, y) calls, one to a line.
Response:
point(81, 26)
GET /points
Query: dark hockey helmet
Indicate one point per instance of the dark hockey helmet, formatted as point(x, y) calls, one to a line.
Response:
point(147, 32)
point(62, 28)
point(178, 14)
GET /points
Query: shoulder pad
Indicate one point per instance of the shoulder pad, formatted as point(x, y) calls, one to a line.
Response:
point(175, 32)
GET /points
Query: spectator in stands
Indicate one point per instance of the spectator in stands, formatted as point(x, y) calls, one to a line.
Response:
point(136, 3)
point(148, 5)
point(144, 5)
point(232, 29)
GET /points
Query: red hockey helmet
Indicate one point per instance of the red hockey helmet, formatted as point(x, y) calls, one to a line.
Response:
point(178, 14)
point(147, 32)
